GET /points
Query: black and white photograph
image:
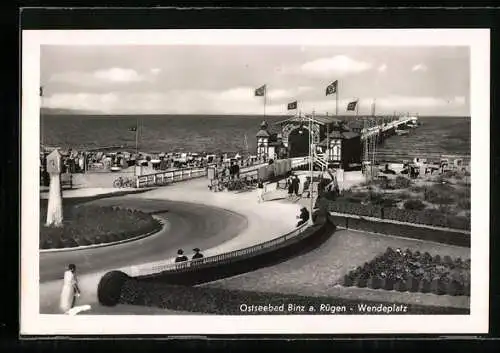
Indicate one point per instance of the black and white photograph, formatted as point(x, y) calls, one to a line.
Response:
point(255, 181)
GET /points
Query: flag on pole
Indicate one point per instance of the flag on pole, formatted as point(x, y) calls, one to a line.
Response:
point(261, 91)
point(41, 91)
point(292, 105)
point(332, 88)
point(351, 106)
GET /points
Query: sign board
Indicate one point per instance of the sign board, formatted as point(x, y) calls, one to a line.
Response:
point(54, 163)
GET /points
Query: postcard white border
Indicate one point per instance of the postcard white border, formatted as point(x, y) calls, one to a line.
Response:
point(33, 323)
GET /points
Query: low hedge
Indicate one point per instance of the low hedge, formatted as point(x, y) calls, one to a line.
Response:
point(413, 272)
point(232, 302)
point(88, 225)
point(427, 217)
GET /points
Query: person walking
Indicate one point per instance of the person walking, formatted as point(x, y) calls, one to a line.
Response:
point(260, 190)
point(70, 289)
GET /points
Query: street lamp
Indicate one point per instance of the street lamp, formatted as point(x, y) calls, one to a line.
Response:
point(311, 154)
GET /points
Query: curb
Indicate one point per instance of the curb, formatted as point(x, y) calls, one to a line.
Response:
point(161, 221)
point(393, 221)
point(400, 236)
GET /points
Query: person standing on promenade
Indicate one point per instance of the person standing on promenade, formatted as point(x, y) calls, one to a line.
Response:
point(296, 185)
point(180, 256)
point(70, 289)
point(289, 182)
point(197, 254)
point(260, 190)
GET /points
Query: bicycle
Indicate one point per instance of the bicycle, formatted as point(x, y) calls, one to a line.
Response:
point(123, 183)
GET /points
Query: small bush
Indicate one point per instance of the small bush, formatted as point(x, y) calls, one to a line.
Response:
point(414, 205)
point(348, 281)
point(110, 287)
point(425, 286)
point(402, 182)
point(361, 282)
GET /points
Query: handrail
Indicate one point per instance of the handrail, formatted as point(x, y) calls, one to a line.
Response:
point(224, 257)
point(170, 176)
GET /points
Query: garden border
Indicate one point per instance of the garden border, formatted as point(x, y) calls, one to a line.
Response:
point(163, 225)
point(455, 237)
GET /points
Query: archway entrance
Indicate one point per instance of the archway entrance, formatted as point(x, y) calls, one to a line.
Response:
point(298, 142)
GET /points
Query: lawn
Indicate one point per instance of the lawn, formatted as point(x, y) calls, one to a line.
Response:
point(88, 225)
point(440, 200)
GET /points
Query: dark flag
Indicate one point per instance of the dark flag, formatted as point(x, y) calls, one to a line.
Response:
point(332, 88)
point(261, 91)
point(352, 106)
point(41, 91)
point(133, 129)
point(292, 105)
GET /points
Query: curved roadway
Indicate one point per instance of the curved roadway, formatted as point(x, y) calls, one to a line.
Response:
point(195, 217)
point(187, 226)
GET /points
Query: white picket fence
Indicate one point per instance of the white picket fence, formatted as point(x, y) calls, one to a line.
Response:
point(173, 176)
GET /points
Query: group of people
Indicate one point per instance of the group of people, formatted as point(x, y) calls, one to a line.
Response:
point(182, 258)
point(293, 184)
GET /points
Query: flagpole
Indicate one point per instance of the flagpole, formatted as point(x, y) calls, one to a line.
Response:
point(137, 135)
point(357, 107)
point(327, 141)
point(265, 99)
point(337, 100)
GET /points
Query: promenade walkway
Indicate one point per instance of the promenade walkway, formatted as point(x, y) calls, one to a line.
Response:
point(266, 221)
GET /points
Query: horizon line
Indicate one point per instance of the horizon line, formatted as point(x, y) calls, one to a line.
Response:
point(72, 113)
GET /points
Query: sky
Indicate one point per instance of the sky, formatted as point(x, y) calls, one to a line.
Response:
point(193, 79)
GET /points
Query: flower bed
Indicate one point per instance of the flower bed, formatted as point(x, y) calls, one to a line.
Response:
point(89, 225)
point(413, 272)
point(234, 302)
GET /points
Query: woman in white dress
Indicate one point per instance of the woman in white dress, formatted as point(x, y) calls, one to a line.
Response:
point(70, 289)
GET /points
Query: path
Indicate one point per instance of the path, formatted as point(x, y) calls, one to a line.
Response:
point(264, 222)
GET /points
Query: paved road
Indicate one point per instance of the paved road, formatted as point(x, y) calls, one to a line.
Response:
point(197, 217)
point(188, 226)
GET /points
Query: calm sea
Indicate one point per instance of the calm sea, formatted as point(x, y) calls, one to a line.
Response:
point(437, 135)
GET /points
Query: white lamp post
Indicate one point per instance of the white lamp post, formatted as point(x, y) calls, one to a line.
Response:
point(311, 162)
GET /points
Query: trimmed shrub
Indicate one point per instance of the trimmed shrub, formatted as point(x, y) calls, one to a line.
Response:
point(412, 284)
point(427, 257)
point(401, 182)
point(348, 281)
point(110, 287)
point(435, 285)
point(454, 288)
point(436, 259)
point(447, 260)
point(400, 286)
point(414, 205)
point(361, 282)
point(388, 284)
point(425, 286)
point(375, 282)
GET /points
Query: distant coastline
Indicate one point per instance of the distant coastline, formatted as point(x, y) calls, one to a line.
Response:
point(83, 113)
